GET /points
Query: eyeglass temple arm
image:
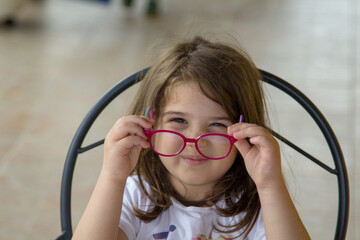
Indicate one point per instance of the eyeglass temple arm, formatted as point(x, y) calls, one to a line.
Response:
point(149, 112)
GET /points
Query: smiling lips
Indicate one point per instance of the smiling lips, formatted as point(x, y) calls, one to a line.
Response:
point(195, 160)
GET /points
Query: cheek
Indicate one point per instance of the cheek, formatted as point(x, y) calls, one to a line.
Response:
point(232, 156)
point(167, 143)
point(169, 163)
point(234, 151)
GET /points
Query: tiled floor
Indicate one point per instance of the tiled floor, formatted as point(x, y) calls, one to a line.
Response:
point(63, 55)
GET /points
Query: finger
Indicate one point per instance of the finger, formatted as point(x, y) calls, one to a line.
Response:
point(144, 122)
point(127, 129)
point(130, 125)
point(255, 134)
point(248, 131)
point(263, 141)
point(132, 141)
point(238, 126)
point(243, 146)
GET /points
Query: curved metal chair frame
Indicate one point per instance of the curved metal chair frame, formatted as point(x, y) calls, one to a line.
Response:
point(339, 170)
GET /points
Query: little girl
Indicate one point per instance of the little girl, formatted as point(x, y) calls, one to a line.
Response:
point(189, 169)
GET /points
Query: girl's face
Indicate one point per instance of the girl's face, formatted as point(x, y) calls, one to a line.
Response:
point(189, 112)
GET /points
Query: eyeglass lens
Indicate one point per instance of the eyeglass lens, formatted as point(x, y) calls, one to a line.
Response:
point(211, 146)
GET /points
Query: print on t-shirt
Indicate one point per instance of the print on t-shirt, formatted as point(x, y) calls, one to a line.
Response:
point(172, 228)
point(202, 237)
point(164, 235)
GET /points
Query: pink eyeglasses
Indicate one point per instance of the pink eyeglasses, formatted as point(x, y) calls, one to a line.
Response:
point(169, 143)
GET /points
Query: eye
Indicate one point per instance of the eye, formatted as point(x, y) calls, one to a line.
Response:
point(178, 120)
point(216, 124)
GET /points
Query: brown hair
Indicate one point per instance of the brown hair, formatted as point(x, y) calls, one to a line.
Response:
point(226, 75)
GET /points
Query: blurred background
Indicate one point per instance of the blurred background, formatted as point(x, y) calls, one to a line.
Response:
point(58, 57)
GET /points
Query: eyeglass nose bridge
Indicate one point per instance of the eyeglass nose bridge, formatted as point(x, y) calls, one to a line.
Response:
point(190, 140)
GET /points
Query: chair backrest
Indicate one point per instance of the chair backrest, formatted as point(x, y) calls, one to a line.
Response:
point(339, 171)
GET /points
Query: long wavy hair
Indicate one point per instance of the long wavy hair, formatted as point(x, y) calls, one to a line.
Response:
point(226, 75)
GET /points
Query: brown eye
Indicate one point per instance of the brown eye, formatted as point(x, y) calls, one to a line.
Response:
point(218, 125)
point(178, 120)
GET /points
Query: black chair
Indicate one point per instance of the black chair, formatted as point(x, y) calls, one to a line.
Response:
point(339, 171)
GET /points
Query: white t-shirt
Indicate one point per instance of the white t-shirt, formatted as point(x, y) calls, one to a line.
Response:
point(178, 222)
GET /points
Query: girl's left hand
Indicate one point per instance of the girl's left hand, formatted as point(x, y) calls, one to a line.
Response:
point(262, 155)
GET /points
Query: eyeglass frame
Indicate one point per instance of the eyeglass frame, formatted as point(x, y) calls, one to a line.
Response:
point(149, 133)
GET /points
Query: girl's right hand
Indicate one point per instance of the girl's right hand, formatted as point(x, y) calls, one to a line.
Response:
point(123, 144)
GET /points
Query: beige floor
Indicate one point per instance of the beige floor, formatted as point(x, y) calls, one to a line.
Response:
point(65, 54)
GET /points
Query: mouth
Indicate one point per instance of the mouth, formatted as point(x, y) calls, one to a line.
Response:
point(195, 160)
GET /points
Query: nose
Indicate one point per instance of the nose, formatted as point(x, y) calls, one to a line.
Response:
point(193, 133)
point(191, 136)
point(190, 147)
point(190, 142)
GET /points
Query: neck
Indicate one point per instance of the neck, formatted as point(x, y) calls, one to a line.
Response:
point(190, 192)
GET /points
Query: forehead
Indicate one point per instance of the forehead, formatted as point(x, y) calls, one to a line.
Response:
point(189, 97)
point(179, 87)
point(183, 92)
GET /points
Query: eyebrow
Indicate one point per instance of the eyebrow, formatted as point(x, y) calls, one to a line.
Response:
point(174, 113)
point(182, 114)
point(222, 118)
